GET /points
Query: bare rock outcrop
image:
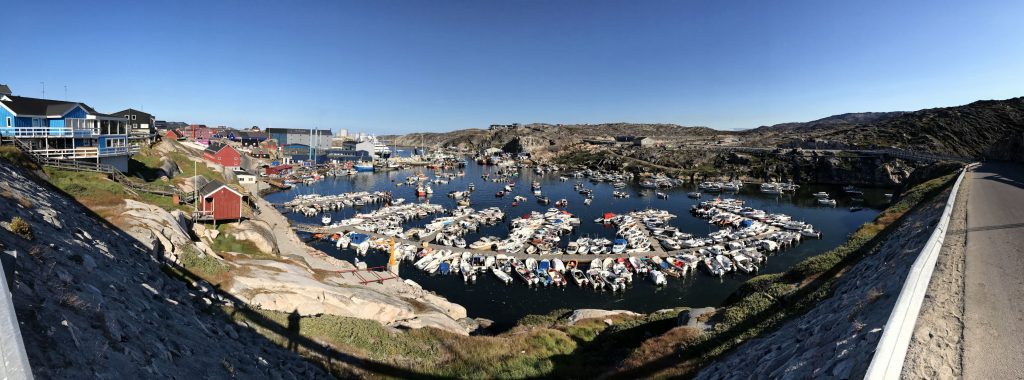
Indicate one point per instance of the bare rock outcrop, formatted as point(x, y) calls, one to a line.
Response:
point(581, 314)
point(286, 287)
point(156, 228)
point(257, 232)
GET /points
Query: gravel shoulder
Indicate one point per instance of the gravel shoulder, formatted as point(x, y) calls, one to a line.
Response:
point(936, 348)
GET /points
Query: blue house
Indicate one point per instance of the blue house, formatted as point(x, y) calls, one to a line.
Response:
point(66, 130)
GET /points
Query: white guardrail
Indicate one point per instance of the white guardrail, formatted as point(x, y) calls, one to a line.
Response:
point(887, 363)
point(13, 360)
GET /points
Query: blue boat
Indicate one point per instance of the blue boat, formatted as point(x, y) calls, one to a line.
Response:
point(545, 278)
point(444, 268)
point(544, 265)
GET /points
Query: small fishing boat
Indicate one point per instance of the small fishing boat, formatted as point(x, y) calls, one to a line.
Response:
point(810, 232)
point(658, 278)
point(501, 275)
point(595, 279)
point(579, 277)
point(821, 195)
point(558, 265)
point(662, 195)
point(326, 219)
point(827, 202)
point(572, 248)
point(619, 246)
point(694, 194)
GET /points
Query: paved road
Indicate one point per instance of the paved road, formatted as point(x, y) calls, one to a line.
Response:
point(994, 279)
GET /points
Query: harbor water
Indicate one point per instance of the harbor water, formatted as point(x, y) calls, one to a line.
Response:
point(505, 304)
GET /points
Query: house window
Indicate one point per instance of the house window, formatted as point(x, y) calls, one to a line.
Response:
point(133, 117)
point(8, 121)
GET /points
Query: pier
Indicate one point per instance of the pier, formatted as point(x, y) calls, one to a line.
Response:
point(657, 249)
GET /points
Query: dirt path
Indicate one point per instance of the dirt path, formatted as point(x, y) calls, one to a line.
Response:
point(936, 348)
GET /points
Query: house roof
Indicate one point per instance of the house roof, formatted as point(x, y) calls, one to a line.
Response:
point(4, 90)
point(298, 131)
point(42, 107)
point(131, 111)
point(217, 147)
point(215, 185)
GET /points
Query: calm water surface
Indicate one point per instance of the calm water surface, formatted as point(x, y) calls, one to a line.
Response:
point(505, 304)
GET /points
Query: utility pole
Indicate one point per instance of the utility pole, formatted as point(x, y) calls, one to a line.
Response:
point(43, 85)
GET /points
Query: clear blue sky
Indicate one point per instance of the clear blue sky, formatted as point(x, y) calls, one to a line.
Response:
point(401, 66)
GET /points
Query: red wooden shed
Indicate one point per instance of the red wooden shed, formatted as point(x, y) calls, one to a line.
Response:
point(223, 155)
point(218, 202)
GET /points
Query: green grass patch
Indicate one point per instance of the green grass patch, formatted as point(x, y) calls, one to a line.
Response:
point(90, 189)
point(17, 157)
point(204, 265)
point(522, 353)
point(21, 228)
point(190, 168)
point(226, 242)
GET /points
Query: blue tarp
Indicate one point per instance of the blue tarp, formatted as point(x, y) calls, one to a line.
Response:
point(620, 241)
point(747, 223)
point(358, 238)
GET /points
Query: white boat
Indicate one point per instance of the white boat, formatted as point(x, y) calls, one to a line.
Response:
point(744, 263)
point(468, 274)
point(326, 219)
point(770, 188)
point(658, 278)
point(594, 278)
point(820, 195)
point(613, 282)
point(489, 262)
point(662, 195)
point(827, 202)
point(579, 277)
point(558, 265)
point(810, 232)
point(572, 248)
point(501, 275)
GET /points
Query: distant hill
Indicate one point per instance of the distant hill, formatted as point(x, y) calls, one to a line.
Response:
point(845, 119)
point(539, 135)
point(987, 128)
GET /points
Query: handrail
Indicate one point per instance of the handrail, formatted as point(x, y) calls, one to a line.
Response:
point(13, 359)
point(891, 352)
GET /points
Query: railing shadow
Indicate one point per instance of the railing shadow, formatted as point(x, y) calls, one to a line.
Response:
point(691, 355)
point(301, 344)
